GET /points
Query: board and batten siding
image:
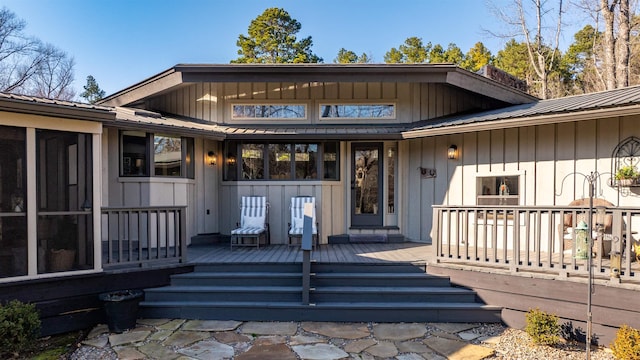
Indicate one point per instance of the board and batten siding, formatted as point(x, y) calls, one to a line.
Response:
point(552, 161)
point(414, 101)
point(158, 191)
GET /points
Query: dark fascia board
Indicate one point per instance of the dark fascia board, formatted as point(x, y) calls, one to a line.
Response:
point(317, 137)
point(57, 110)
point(128, 125)
point(148, 87)
point(428, 73)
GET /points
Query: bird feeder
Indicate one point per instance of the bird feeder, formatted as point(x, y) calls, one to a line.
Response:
point(582, 241)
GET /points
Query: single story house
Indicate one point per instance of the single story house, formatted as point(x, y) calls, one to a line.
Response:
point(392, 152)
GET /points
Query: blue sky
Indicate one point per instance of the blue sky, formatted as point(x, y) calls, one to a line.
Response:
point(122, 42)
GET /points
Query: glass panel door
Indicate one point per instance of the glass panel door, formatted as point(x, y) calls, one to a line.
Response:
point(366, 184)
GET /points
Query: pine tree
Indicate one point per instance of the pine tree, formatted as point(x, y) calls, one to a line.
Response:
point(92, 92)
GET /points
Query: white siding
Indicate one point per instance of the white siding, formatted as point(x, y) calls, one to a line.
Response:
point(552, 160)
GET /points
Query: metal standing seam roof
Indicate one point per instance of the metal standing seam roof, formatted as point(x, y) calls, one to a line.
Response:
point(617, 98)
point(47, 101)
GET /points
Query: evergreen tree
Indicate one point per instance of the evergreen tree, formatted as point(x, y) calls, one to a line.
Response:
point(92, 92)
point(349, 57)
point(272, 39)
point(477, 57)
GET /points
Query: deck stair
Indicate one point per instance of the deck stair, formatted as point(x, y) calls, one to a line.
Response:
point(339, 292)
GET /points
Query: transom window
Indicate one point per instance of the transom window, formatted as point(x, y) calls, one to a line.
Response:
point(268, 111)
point(357, 111)
point(144, 153)
point(281, 161)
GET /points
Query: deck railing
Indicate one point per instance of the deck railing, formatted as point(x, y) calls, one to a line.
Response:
point(143, 236)
point(535, 239)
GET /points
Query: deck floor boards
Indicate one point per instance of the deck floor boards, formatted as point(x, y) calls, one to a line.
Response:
point(334, 253)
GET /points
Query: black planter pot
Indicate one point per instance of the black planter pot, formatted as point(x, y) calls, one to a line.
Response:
point(121, 308)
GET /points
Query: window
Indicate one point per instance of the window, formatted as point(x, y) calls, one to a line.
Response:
point(158, 154)
point(281, 161)
point(498, 190)
point(263, 111)
point(357, 111)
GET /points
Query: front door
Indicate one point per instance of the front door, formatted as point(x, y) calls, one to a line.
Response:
point(366, 184)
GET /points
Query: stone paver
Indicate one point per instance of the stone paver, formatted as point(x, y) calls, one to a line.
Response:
point(171, 325)
point(304, 339)
point(359, 346)
point(185, 338)
point(97, 342)
point(268, 352)
point(128, 337)
point(126, 353)
point(269, 328)
point(409, 356)
point(399, 331)
point(319, 352)
point(230, 337)
point(154, 350)
point(337, 330)
point(412, 347)
point(458, 350)
point(453, 328)
point(208, 349)
point(168, 339)
point(211, 325)
point(383, 349)
point(468, 335)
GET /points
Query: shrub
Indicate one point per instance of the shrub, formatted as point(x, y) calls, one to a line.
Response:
point(542, 327)
point(19, 326)
point(626, 345)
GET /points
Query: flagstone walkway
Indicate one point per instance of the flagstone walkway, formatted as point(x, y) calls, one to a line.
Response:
point(167, 339)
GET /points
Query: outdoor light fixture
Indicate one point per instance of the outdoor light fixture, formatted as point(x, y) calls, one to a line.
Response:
point(231, 160)
point(211, 157)
point(582, 241)
point(452, 153)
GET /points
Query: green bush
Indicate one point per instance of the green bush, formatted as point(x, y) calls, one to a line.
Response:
point(542, 327)
point(19, 326)
point(626, 345)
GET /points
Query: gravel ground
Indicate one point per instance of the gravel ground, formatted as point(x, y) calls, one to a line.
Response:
point(517, 345)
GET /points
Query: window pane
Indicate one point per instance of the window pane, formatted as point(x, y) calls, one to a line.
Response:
point(252, 161)
point(498, 190)
point(284, 111)
point(391, 180)
point(167, 155)
point(306, 161)
point(230, 161)
point(330, 161)
point(188, 158)
point(280, 161)
point(134, 150)
point(13, 221)
point(357, 111)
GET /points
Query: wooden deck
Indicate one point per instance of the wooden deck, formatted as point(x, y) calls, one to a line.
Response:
point(334, 253)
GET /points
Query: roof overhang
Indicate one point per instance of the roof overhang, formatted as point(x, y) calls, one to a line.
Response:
point(542, 119)
point(61, 109)
point(418, 73)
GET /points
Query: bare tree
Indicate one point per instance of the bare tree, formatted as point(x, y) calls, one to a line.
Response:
point(623, 44)
point(541, 39)
point(54, 77)
point(28, 66)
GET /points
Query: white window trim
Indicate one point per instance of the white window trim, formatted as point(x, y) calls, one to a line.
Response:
point(521, 182)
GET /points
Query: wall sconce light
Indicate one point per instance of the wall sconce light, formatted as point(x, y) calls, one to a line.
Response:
point(231, 160)
point(452, 153)
point(211, 157)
